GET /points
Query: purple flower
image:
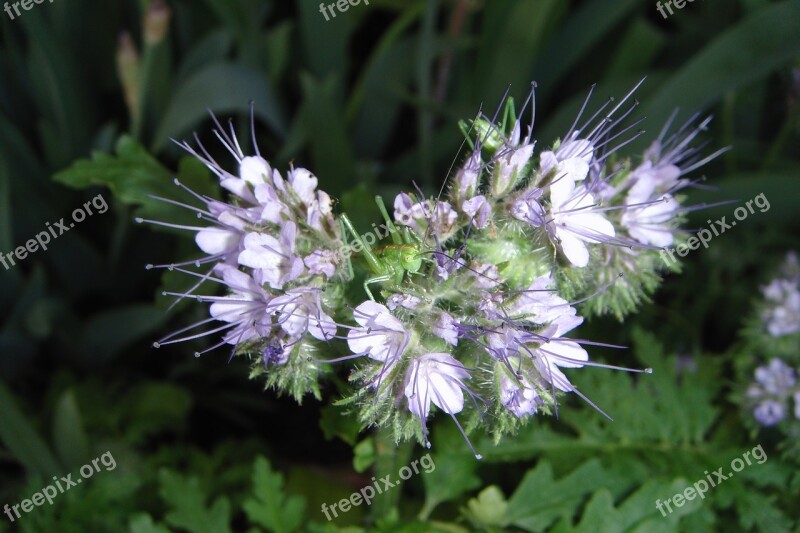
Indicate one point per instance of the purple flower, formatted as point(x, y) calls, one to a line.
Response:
point(321, 262)
point(465, 183)
point(574, 154)
point(478, 209)
point(510, 163)
point(380, 336)
point(437, 378)
point(769, 412)
point(419, 215)
point(402, 300)
point(300, 311)
point(540, 304)
point(559, 352)
point(446, 328)
point(245, 308)
point(782, 315)
point(519, 397)
point(776, 378)
point(574, 224)
point(274, 259)
point(649, 223)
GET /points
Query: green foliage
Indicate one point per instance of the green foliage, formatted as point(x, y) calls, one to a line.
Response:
point(369, 101)
point(270, 508)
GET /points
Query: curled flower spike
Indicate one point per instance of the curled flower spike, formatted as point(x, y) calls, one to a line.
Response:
point(469, 294)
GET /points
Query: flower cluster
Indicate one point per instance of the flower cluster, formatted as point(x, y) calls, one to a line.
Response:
point(781, 314)
point(775, 332)
point(274, 248)
point(471, 305)
point(775, 384)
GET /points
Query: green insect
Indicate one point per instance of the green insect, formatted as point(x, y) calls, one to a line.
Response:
point(389, 263)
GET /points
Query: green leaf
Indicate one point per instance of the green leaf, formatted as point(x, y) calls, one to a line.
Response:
point(332, 153)
point(540, 500)
point(220, 88)
point(364, 455)
point(489, 509)
point(453, 476)
point(186, 500)
point(762, 42)
point(270, 507)
point(133, 175)
point(143, 523)
point(112, 331)
point(152, 407)
point(336, 423)
point(69, 434)
point(23, 441)
point(587, 26)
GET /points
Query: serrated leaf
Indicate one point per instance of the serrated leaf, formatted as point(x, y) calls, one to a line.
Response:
point(187, 502)
point(540, 499)
point(489, 509)
point(453, 476)
point(270, 507)
point(143, 523)
point(133, 175)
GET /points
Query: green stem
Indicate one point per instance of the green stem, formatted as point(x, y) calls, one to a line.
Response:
point(390, 457)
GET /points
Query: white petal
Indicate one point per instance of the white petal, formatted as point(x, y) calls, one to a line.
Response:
point(446, 393)
point(304, 184)
point(573, 248)
point(589, 226)
point(575, 169)
point(216, 240)
point(254, 170)
point(567, 354)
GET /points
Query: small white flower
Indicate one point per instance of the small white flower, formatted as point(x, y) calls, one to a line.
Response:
point(649, 224)
point(380, 336)
point(246, 306)
point(300, 311)
point(445, 328)
point(776, 378)
point(510, 163)
point(782, 316)
point(559, 352)
point(573, 221)
point(402, 300)
point(769, 412)
point(540, 304)
point(521, 398)
point(274, 259)
point(437, 378)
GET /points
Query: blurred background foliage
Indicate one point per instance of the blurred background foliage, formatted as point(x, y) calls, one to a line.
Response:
point(91, 94)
